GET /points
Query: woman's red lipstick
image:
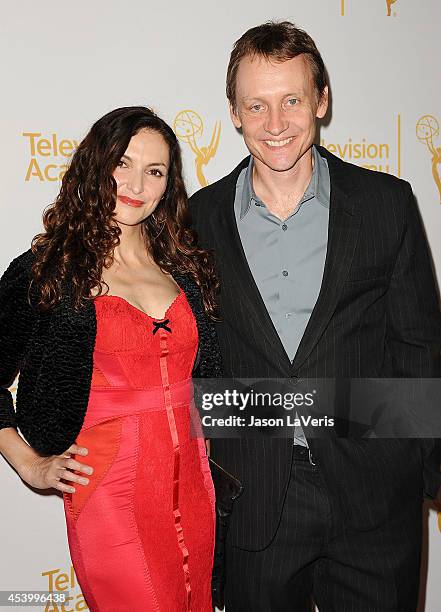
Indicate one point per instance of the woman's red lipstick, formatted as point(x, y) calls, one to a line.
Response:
point(131, 202)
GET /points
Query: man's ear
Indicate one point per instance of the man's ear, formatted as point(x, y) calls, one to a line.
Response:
point(235, 118)
point(323, 103)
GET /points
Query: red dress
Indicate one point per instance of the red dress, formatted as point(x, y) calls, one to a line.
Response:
point(141, 533)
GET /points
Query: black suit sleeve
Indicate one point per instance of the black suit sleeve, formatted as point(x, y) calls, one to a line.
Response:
point(16, 320)
point(193, 207)
point(413, 314)
point(414, 322)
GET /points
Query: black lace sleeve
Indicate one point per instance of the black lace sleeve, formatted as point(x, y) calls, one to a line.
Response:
point(16, 322)
point(208, 363)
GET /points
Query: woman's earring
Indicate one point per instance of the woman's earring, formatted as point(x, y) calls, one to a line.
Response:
point(156, 223)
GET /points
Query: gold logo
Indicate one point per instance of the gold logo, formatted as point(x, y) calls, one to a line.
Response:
point(388, 7)
point(13, 389)
point(45, 155)
point(189, 127)
point(60, 581)
point(382, 156)
point(427, 128)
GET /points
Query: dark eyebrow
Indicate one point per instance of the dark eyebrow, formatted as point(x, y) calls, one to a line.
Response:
point(148, 165)
point(259, 99)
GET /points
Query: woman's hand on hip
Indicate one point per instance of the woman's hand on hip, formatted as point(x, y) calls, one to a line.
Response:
point(51, 472)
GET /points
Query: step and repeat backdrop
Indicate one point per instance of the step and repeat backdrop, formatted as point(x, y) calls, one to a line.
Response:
point(66, 65)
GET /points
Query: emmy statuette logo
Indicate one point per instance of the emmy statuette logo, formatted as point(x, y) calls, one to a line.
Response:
point(13, 389)
point(389, 4)
point(427, 128)
point(189, 127)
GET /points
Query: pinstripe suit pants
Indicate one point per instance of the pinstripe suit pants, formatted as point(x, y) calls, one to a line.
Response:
point(314, 557)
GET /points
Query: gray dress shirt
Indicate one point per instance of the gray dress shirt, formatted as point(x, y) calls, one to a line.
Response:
point(286, 258)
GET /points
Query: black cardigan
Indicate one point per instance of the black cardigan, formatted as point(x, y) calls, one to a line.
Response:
point(54, 353)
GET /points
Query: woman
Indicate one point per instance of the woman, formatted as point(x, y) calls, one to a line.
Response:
point(104, 318)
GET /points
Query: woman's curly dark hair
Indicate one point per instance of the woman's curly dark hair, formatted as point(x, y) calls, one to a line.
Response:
point(81, 233)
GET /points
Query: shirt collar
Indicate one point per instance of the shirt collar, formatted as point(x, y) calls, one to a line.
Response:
point(316, 187)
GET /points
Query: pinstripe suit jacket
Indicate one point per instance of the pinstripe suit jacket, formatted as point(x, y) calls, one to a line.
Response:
point(377, 315)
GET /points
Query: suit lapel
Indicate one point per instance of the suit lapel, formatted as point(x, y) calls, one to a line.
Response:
point(236, 272)
point(344, 225)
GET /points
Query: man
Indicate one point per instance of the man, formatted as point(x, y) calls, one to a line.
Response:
point(325, 272)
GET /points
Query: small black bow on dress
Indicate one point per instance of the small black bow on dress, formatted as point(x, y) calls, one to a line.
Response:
point(161, 325)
